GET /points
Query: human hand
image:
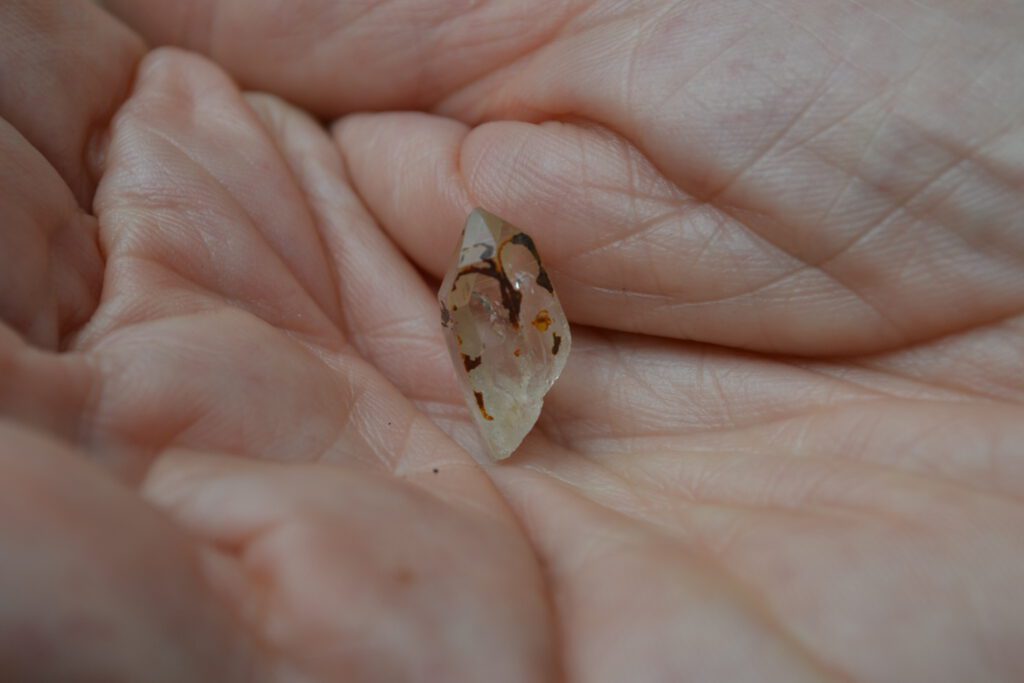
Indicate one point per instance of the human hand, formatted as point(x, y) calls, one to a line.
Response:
point(724, 508)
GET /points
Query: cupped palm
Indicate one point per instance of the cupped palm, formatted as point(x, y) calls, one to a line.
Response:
point(787, 443)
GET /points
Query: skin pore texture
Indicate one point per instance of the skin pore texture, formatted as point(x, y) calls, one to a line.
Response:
point(787, 446)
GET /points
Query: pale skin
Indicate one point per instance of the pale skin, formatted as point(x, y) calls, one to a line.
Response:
point(789, 443)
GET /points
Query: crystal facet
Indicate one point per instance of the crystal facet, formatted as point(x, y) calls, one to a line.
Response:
point(506, 332)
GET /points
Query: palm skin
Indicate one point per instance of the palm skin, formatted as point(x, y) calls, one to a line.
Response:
point(786, 446)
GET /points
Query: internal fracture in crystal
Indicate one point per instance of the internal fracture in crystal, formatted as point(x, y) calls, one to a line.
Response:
point(506, 332)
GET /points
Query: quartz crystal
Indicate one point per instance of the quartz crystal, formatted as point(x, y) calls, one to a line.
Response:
point(505, 329)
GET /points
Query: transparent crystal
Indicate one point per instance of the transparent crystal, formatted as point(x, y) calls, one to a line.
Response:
point(506, 332)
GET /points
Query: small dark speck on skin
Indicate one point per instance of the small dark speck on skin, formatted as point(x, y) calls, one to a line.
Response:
point(405, 576)
point(436, 470)
point(554, 347)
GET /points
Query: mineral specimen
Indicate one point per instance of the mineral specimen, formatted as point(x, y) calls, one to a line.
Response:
point(506, 332)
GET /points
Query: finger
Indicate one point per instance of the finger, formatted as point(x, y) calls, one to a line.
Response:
point(346, 556)
point(389, 313)
point(636, 253)
point(50, 265)
point(879, 165)
point(125, 594)
point(211, 254)
point(66, 67)
point(339, 56)
point(197, 201)
point(625, 248)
